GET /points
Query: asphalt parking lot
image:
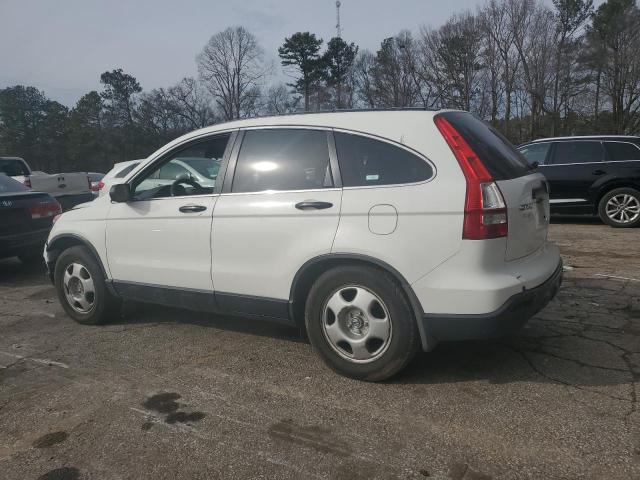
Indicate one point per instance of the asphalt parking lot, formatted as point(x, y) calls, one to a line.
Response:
point(162, 393)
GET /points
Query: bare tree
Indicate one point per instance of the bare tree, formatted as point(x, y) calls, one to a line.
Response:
point(278, 100)
point(451, 60)
point(232, 67)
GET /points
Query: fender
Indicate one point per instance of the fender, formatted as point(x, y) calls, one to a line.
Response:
point(69, 240)
point(300, 284)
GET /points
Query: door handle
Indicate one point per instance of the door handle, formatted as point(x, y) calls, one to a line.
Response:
point(313, 205)
point(192, 208)
point(599, 172)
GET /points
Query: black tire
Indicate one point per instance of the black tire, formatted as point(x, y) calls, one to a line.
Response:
point(608, 218)
point(394, 354)
point(104, 306)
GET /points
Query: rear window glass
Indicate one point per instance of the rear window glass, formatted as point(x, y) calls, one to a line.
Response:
point(500, 158)
point(620, 151)
point(365, 161)
point(13, 167)
point(9, 185)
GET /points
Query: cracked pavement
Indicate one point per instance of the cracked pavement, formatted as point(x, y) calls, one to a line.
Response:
point(167, 393)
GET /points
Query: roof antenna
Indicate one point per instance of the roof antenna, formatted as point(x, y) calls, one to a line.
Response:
point(338, 29)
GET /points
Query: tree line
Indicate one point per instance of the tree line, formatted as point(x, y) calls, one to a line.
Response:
point(529, 69)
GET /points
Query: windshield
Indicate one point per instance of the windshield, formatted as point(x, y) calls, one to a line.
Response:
point(207, 167)
point(9, 185)
point(13, 167)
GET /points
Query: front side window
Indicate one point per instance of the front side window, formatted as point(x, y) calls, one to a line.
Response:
point(365, 161)
point(282, 159)
point(621, 151)
point(577, 152)
point(191, 170)
point(535, 152)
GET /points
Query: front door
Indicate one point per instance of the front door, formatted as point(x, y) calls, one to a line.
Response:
point(280, 207)
point(162, 237)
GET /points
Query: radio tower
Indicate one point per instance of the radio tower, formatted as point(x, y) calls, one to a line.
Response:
point(338, 29)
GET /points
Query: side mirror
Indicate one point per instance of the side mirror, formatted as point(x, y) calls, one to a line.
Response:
point(120, 192)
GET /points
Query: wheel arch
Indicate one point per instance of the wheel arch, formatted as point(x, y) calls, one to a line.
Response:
point(311, 270)
point(62, 242)
point(612, 185)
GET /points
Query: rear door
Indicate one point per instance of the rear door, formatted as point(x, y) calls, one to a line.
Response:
point(572, 168)
point(524, 190)
point(280, 207)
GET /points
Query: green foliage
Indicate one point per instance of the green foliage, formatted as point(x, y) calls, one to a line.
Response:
point(302, 50)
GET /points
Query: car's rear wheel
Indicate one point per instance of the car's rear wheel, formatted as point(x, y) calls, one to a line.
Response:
point(81, 287)
point(360, 323)
point(620, 207)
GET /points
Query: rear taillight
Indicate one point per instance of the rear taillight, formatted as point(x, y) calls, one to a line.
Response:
point(45, 209)
point(485, 212)
point(27, 182)
point(99, 186)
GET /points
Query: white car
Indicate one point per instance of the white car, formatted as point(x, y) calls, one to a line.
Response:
point(380, 232)
point(118, 171)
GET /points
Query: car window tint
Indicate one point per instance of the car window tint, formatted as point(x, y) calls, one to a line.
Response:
point(365, 161)
point(282, 159)
point(535, 152)
point(620, 151)
point(177, 170)
point(577, 152)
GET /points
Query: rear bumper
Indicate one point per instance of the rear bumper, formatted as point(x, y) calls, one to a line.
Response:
point(507, 319)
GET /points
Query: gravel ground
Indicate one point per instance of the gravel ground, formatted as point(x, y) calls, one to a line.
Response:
point(163, 393)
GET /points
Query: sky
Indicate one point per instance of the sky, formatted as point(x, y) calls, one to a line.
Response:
point(62, 47)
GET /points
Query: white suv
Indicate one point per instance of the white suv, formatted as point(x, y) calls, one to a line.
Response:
point(380, 232)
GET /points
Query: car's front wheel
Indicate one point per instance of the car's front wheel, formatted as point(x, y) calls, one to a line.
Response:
point(81, 287)
point(620, 207)
point(360, 323)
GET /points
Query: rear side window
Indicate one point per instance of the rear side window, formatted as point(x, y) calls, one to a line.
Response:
point(620, 151)
point(577, 152)
point(282, 159)
point(13, 167)
point(9, 185)
point(365, 161)
point(535, 152)
point(497, 154)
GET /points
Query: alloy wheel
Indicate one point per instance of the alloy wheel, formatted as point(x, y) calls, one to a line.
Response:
point(356, 324)
point(79, 288)
point(623, 208)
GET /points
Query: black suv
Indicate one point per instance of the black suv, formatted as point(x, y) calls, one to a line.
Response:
point(597, 175)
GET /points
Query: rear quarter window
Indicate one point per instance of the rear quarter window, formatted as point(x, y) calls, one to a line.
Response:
point(365, 161)
point(621, 151)
point(498, 155)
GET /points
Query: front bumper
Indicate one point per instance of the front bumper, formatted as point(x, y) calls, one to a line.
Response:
point(507, 319)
